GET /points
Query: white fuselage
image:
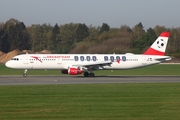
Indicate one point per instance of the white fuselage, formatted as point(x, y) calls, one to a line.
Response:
point(64, 61)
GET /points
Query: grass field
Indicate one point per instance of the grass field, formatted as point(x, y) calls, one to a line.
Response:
point(160, 101)
point(143, 101)
point(161, 69)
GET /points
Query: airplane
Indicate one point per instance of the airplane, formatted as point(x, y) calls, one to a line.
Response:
point(76, 64)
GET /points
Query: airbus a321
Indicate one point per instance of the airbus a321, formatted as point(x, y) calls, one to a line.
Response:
point(75, 64)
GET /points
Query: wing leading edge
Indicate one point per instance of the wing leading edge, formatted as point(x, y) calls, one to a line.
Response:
point(94, 65)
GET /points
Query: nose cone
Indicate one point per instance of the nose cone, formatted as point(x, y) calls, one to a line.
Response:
point(9, 64)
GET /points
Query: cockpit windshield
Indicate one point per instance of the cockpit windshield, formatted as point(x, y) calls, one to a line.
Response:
point(16, 59)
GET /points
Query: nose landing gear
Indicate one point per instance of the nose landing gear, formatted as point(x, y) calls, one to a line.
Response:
point(25, 73)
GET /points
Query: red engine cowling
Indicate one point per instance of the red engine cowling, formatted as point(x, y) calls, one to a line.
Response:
point(72, 71)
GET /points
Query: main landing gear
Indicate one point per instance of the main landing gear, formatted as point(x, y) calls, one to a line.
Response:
point(25, 73)
point(91, 74)
point(86, 74)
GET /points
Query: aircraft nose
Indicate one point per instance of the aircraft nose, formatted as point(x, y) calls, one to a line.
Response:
point(8, 64)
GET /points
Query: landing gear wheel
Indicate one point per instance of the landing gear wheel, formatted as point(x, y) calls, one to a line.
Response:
point(86, 74)
point(24, 75)
point(92, 74)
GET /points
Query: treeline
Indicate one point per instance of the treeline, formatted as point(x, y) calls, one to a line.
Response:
point(80, 38)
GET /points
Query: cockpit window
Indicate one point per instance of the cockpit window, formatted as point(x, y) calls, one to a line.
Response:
point(16, 59)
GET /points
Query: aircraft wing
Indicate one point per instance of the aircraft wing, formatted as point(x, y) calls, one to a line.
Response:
point(94, 65)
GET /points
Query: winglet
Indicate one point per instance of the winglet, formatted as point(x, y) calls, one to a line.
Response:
point(159, 46)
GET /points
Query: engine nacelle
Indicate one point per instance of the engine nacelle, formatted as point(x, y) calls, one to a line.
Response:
point(64, 71)
point(72, 71)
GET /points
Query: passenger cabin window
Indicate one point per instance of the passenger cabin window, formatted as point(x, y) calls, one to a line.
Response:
point(94, 58)
point(88, 58)
point(105, 58)
point(124, 58)
point(82, 58)
point(112, 58)
point(76, 58)
point(117, 58)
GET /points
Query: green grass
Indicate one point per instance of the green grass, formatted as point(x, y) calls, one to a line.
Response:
point(154, 101)
point(161, 69)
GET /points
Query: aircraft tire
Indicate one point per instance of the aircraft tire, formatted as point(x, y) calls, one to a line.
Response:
point(92, 74)
point(24, 75)
point(86, 74)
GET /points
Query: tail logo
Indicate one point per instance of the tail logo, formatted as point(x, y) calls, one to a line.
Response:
point(159, 46)
point(160, 43)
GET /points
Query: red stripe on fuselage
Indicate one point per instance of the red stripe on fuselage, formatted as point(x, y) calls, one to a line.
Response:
point(152, 51)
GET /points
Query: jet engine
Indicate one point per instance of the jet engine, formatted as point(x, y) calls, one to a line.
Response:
point(72, 71)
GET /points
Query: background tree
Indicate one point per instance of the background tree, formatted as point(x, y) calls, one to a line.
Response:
point(16, 35)
point(67, 38)
point(4, 44)
point(138, 30)
point(46, 40)
point(104, 27)
point(159, 29)
point(125, 28)
point(139, 36)
point(174, 42)
point(23, 41)
point(79, 38)
point(82, 32)
point(40, 36)
point(32, 36)
point(93, 33)
point(55, 38)
point(144, 41)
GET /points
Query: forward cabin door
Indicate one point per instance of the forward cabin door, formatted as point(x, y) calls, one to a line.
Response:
point(25, 61)
point(59, 62)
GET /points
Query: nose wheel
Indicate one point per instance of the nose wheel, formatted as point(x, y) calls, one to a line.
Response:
point(25, 73)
